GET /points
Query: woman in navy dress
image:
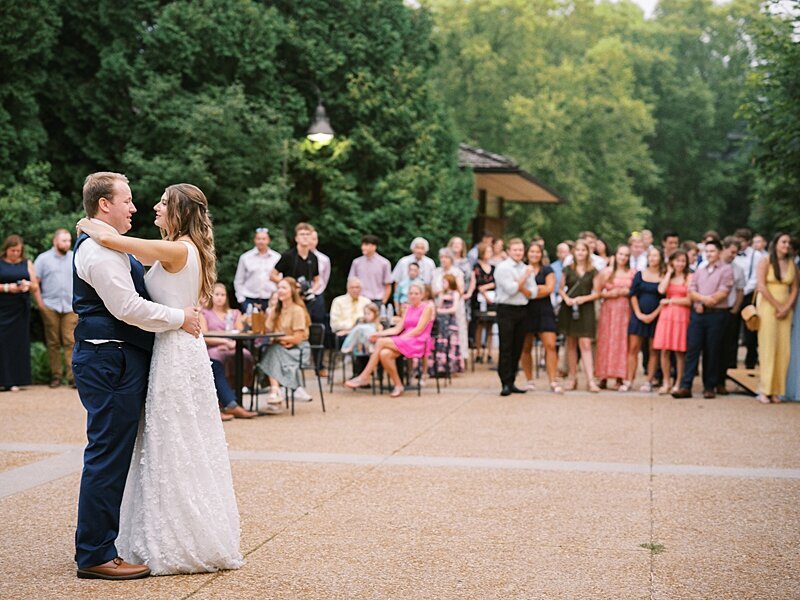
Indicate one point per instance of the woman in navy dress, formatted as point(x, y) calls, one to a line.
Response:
point(646, 305)
point(17, 280)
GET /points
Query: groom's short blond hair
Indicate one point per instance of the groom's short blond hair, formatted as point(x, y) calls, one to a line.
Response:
point(99, 185)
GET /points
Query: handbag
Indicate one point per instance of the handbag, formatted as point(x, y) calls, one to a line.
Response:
point(750, 316)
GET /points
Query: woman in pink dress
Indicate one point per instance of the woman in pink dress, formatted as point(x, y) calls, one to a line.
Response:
point(218, 316)
point(615, 314)
point(673, 323)
point(411, 338)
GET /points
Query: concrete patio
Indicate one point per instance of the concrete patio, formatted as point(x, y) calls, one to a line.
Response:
point(459, 495)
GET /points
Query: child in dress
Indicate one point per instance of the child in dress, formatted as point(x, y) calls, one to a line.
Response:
point(357, 341)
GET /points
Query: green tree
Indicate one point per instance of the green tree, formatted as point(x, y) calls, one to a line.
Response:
point(771, 110)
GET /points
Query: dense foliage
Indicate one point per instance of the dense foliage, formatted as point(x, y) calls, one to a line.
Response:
point(220, 93)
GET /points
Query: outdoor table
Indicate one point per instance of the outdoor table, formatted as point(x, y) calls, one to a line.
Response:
point(241, 337)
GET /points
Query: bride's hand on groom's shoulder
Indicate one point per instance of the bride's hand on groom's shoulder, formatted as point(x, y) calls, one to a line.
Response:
point(93, 230)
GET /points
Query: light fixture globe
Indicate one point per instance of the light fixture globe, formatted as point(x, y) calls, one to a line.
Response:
point(320, 131)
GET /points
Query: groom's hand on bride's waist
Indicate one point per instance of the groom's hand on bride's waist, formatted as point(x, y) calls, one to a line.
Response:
point(191, 320)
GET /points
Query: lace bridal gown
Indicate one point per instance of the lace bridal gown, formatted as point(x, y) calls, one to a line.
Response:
point(179, 511)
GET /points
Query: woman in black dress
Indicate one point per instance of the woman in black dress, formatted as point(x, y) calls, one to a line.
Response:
point(481, 296)
point(541, 320)
point(17, 280)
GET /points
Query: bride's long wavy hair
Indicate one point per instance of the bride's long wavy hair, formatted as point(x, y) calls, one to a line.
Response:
point(187, 215)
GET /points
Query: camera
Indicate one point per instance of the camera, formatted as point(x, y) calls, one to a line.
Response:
point(305, 290)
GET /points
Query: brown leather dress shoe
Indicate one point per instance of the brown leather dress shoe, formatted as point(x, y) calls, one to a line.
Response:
point(682, 393)
point(115, 569)
point(709, 394)
point(240, 413)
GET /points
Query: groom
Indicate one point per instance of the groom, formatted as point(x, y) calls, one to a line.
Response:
point(111, 363)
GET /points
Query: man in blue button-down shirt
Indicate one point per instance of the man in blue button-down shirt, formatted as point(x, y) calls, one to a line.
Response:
point(54, 268)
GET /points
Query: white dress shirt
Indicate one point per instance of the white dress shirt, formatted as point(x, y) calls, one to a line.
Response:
point(748, 260)
point(109, 273)
point(252, 274)
point(506, 278)
point(426, 267)
point(324, 265)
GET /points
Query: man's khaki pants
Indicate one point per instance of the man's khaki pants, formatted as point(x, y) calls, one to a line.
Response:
point(59, 332)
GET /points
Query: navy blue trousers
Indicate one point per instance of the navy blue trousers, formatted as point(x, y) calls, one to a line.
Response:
point(704, 335)
point(226, 397)
point(112, 382)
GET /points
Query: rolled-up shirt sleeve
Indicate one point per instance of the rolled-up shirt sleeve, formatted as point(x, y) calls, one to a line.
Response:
point(108, 272)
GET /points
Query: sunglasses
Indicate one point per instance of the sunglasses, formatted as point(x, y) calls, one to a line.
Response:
point(262, 230)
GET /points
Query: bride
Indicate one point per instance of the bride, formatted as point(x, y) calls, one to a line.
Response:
point(179, 511)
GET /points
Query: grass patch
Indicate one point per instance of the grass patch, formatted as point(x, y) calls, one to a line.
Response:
point(654, 548)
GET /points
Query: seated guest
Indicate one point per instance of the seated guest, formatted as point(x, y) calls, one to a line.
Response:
point(218, 316)
point(357, 340)
point(411, 338)
point(419, 249)
point(226, 397)
point(401, 292)
point(281, 360)
point(347, 309)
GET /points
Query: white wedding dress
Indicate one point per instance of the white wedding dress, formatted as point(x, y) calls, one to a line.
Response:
point(179, 511)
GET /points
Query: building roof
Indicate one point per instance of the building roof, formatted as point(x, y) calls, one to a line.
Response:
point(502, 177)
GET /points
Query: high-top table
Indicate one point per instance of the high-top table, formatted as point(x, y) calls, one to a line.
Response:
point(240, 337)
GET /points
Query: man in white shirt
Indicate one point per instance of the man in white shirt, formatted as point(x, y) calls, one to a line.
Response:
point(252, 282)
point(347, 309)
point(516, 284)
point(747, 259)
point(111, 364)
point(419, 249)
point(729, 346)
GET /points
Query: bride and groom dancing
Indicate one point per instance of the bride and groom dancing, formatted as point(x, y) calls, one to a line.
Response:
point(156, 491)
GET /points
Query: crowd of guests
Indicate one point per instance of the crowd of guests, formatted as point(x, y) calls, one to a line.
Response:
point(638, 310)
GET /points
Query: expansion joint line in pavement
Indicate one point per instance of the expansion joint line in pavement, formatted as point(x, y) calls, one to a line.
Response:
point(652, 502)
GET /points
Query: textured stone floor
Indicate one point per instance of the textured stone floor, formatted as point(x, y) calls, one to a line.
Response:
point(463, 494)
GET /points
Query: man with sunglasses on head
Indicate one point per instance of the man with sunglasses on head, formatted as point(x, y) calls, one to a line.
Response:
point(252, 283)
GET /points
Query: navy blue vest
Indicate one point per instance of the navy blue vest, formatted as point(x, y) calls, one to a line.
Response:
point(95, 322)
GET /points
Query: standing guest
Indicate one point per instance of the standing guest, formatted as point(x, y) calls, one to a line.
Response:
point(17, 280)
point(373, 270)
point(448, 267)
point(460, 260)
point(708, 291)
point(54, 298)
point(692, 254)
point(474, 254)
point(646, 304)
point(647, 239)
point(217, 315)
point(499, 253)
point(419, 249)
point(281, 360)
point(541, 319)
point(448, 351)
point(598, 261)
point(481, 294)
point(708, 236)
point(252, 282)
point(410, 338)
point(602, 250)
point(670, 242)
point(401, 291)
point(563, 250)
point(638, 252)
point(346, 310)
point(317, 309)
point(576, 317)
point(673, 322)
point(729, 347)
point(793, 376)
point(301, 264)
point(615, 314)
point(748, 259)
point(759, 243)
point(515, 286)
point(777, 292)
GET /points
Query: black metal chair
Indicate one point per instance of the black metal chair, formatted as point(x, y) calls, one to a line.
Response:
point(316, 346)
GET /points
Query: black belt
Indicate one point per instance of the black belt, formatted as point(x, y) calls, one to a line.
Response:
point(710, 310)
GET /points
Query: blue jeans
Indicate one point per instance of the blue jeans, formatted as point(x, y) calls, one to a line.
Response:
point(704, 335)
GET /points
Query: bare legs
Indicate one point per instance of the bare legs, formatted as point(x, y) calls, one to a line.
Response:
point(634, 347)
point(585, 345)
point(680, 362)
point(386, 353)
point(550, 355)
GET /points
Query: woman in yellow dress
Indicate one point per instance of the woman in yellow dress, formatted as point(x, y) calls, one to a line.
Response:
point(777, 291)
